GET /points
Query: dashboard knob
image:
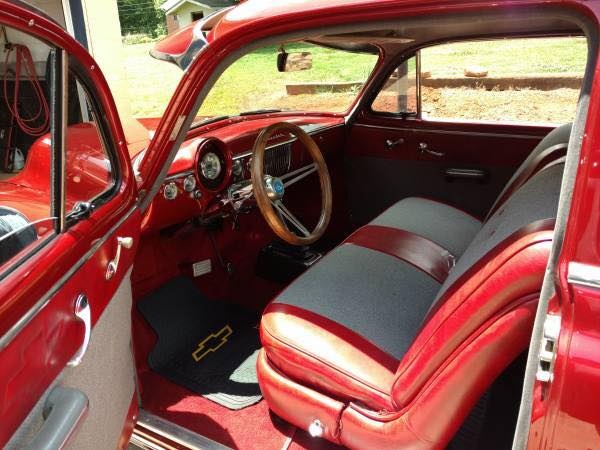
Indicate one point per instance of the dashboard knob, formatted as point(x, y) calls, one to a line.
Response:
point(170, 191)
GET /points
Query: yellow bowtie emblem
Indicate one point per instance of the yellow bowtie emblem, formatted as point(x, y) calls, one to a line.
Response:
point(212, 343)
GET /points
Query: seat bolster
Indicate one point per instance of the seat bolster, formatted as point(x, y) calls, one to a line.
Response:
point(511, 276)
point(295, 403)
point(318, 352)
point(436, 414)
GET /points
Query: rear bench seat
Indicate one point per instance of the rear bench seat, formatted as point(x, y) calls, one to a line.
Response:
point(373, 320)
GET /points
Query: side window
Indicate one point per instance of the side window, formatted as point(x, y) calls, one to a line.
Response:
point(399, 93)
point(26, 216)
point(89, 169)
point(525, 80)
point(37, 199)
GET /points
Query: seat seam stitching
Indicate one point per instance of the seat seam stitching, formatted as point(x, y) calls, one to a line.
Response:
point(285, 342)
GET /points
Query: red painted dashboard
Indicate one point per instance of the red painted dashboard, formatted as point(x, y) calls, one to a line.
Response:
point(177, 201)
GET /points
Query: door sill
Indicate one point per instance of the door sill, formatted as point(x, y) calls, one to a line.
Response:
point(155, 433)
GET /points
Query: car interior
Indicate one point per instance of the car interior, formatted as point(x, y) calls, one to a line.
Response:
point(366, 278)
point(406, 323)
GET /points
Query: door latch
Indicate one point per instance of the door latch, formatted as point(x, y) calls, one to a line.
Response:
point(83, 314)
point(548, 349)
point(111, 269)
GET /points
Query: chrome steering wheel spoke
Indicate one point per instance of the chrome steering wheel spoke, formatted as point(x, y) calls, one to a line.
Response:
point(298, 174)
point(288, 217)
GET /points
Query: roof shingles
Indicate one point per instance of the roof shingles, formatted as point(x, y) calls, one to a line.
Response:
point(171, 5)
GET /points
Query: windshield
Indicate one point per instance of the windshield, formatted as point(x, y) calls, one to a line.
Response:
point(324, 80)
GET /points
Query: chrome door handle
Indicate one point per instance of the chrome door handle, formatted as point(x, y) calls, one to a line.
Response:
point(391, 145)
point(424, 149)
point(83, 313)
point(113, 265)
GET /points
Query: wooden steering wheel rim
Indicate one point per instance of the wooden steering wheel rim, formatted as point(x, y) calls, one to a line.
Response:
point(260, 191)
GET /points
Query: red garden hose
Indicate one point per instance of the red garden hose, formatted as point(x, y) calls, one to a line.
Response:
point(24, 62)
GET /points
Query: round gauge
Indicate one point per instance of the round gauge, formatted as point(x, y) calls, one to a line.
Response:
point(189, 183)
point(170, 191)
point(210, 166)
point(213, 164)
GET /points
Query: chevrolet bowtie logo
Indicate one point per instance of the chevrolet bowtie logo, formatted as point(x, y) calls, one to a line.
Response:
point(212, 343)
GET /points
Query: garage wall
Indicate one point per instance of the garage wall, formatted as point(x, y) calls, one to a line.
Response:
point(53, 8)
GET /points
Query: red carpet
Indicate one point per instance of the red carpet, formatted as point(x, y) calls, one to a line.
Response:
point(250, 428)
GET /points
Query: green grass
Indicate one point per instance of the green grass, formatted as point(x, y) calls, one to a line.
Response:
point(254, 83)
point(151, 82)
point(511, 57)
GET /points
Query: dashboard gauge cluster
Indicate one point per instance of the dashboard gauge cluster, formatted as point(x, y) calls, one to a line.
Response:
point(213, 164)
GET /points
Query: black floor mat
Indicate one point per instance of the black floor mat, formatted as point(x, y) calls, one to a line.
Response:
point(208, 347)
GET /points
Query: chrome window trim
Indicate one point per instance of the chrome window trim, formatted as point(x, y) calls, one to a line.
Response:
point(16, 328)
point(583, 275)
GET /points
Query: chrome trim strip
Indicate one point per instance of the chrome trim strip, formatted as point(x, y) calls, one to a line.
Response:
point(64, 107)
point(462, 133)
point(249, 152)
point(583, 275)
point(142, 443)
point(179, 175)
point(42, 302)
point(175, 433)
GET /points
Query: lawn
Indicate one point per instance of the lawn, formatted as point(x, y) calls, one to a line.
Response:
point(508, 57)
point(151, 82)
point(254, 83)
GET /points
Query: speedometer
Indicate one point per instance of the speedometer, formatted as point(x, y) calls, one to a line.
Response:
point(210, 166)
point(213, 164)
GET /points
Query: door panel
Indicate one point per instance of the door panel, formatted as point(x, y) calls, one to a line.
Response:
point(39, 330)
point(41, 348)
point(106, 375)
point(105, 378)
point(463, 164)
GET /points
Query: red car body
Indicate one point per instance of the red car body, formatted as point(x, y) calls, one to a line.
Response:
point(40, 335)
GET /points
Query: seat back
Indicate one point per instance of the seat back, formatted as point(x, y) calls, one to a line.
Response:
point(502, 267)
point(551, 148)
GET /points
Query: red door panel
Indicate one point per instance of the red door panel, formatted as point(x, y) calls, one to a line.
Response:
point(39, 332)
point(40, 351)
point(464, 164)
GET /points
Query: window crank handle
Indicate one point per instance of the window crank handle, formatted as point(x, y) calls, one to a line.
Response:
point(424, 149)
point(113, 265)
point(391, 145)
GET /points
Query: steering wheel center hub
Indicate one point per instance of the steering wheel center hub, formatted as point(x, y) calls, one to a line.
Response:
point(275, 188)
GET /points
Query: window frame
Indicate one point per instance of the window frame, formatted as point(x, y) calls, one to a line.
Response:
point(106, 139)
point(416, 53)
point(62, 66)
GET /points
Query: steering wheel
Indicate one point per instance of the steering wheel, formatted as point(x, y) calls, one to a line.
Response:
point(269, 190)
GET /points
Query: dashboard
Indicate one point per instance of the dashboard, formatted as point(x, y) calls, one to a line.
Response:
point(210, 175)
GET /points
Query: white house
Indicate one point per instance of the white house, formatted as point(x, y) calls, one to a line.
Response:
point(183, 12)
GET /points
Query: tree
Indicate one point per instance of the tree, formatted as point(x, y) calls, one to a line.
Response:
point(141, 16)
